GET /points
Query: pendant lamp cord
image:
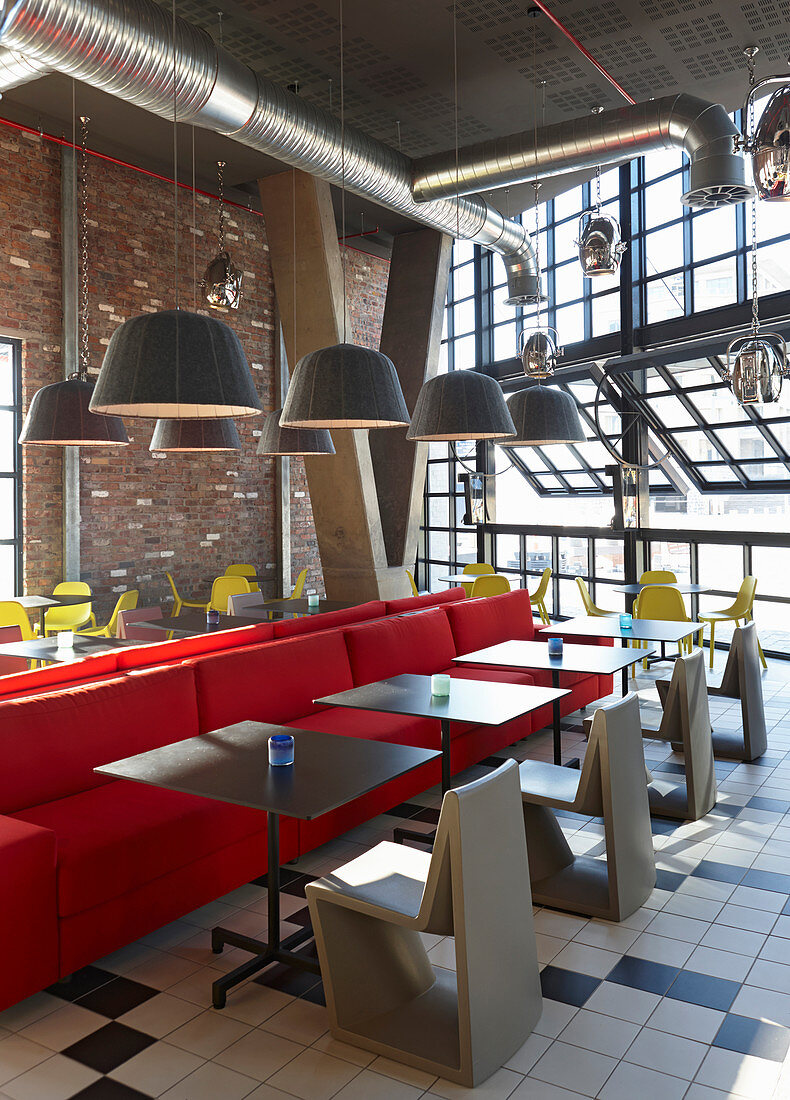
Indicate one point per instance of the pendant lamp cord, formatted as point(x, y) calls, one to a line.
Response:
point(83, 251)
point(175, 159)
point(455, 120)
point(343, 162)
point(194, 228)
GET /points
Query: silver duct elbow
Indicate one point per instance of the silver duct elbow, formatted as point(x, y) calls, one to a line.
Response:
point(702, 130)
point(16, 69)
point(126, 49)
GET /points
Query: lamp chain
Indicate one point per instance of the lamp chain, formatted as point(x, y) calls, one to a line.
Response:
point(83, 187)
point(221, 197)
point(755, 295)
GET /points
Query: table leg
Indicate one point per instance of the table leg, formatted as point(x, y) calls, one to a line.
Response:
point(276, 950)
point(624, 675)
point(402, 833)
point(557, 730)
point(42, 613)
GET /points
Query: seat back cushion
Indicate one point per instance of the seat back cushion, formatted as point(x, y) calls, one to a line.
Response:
point(270, 683)
point(50, 744)
point(54, 677)
point(179, 649)
point(310, 624)
point(429, 599)
point(409, 643)
point(477, 624)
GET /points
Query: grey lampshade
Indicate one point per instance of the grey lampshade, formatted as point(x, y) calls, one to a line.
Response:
point(460, 405)
point(293, 441)
point(195, 435)
point(344, 386)
point(175, 364)
point(542, 415)
point(59, 415)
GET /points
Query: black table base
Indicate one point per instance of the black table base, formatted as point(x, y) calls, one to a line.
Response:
point(276, 950)
point(401, 833)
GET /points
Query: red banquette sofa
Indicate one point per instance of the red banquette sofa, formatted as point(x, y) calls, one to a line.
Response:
point(88, 864)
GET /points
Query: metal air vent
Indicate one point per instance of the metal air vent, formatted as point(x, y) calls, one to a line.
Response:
point(394, 81)
point(715, 195)
point(765, 15)
point(516, 46)
point(483, 15)
point(358, 53)
point(305, 23)
point(599, 21)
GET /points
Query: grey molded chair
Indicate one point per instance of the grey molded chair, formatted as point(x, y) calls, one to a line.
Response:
point(382, 991)
point(128, 629)
point(238, 602)
point(686, 723)
point(611, 784)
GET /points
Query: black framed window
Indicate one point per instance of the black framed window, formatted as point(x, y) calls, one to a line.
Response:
point(10, 469)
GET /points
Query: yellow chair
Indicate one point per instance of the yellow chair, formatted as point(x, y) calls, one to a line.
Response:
point(13, 614)
point(490, 584)
point(182, 601)
point(475, 569)
point(660, 602)
point(414, 589)
point(589, 607)
point(538, 597)
point(248, 571)
point(658, 576)
point(741, 608)
point(127, 601)
point(74, 616)
point(298, 588)
point(224, 587)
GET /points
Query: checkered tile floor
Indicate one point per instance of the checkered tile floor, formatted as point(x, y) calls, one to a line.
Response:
point(688, 998)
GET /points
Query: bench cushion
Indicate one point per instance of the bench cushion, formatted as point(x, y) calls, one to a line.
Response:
point(477, 624)
point(420, 644)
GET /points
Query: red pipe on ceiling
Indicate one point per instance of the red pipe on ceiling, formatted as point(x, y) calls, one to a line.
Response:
point(583, 50)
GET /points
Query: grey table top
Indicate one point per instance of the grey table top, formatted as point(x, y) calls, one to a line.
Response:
point(642, 630)
point(300, 606)
point(686, 589)
point(478, 701)
point(46, 649)
point(194, 622)
point(575, 658)
point(470, 578)
point(36, 602)
point(232, 765)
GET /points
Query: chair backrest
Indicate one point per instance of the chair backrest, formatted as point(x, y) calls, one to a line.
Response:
point(686, 718)
point(298, 588)
point(742, 680)
point(71, 588)
point(73, 616)
point(658, 576)
point(128, 630)
point(13, 614)
point(413, 584)
point(660, 602)
point(238, 601)
point(127, 601)
point(587, 599)
point(543, 586)
point(744, 600)
point(244, 570)
point(224, 587)
point(490, 584)
point(475, 568)
point(618, 769)
point(173, 588)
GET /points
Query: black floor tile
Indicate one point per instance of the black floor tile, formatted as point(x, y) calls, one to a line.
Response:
point(109, 1047)
point(107, 1089)
point(766, 762)
point(756, 1037)
point(493, 761)
point(567, 985)
point(286, 876)
point(117, 997)
point(719, 872)
point(669, 880)
point(663, 825)
point(767, 880)
point(653, 977)
point(669, 767)
point(778, 805)
point(287, 979)
point(316, 995)
point(82, 982)
point(404, 809)
point(296, 886)
point(429, 815)
point(725, 809)
point(301, 916)
point(701, 989)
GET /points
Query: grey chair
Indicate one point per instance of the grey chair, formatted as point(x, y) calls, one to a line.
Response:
point(742, 680)
point(611, 785)
point(685, 722)
point(238, 603)
point(138, 633)
point(382, 991)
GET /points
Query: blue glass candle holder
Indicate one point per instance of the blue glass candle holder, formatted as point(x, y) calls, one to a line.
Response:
point(281, 749)
point(212, 617)
point(626, 622)
point(555, 647)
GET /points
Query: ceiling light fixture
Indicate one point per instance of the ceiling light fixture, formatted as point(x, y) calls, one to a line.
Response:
point(222, 280)
point(59, 414)
point(195, 435)
point(768, 142)
point(276, 440)
point(544, 415)
point(175, 364)
point(600, 241)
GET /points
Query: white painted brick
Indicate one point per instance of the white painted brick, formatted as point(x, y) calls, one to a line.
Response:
point(144, 502)
point(104, 308)
point(213, 538)
point(117, 572)
point(299, 494)
point(141, 283)
point(43, 233)
point(151, 554)
point(252, 496)
point(239, 496)
point(120, 588)
point(17, 261)
point(99, 493)
point(205, 545)
point(166, 553)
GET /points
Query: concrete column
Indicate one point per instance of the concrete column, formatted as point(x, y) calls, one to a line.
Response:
point(69, 280)
point(282, 471)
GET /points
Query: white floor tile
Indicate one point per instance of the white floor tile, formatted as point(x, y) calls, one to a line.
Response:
point(527, 1055)
point(664, 1052)
point(211, 1082)
point(312, 1075)
point(208, 1033)
point(157, 1068)
point(58, 1078)
point(604, 1034)
point(741, 940)
point(629, 1082)
point(259, 1054)
point(740, 1074)
point(301, 1021)
point(661, 950)
point(719, 964)
point(623, 1002)
point(573, 1068)
point(160, 1015)
point(690, 1021)
point(58, 1030)
point(372, 1086)
point(18, 1055)
point(554, 1017)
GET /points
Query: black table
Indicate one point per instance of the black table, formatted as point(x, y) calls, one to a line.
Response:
point(482, 702)
point(43, 603)
point(194, 622)
point(46, 649)
point(232, 765)
point(299, 607)
point(603, 659)
point(641, 630)
point(631, 591)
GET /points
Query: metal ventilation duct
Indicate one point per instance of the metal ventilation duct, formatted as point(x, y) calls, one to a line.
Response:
point(16, 69)
point(125, 47)
point(702, 130)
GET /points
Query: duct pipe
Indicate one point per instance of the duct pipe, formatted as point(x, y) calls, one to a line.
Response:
point(125, 47)
point(16, 69)
point(702, 130)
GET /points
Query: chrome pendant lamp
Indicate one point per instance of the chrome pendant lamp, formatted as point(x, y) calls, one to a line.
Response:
point(600, 241)
point(769, 141)
point(544, 415)
point(195, 435)
point(276, 440)
point(59, 414)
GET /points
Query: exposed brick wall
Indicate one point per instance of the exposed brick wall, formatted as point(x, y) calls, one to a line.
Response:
point(366, 286)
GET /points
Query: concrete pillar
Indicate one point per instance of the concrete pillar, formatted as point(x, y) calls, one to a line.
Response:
point(69, 280)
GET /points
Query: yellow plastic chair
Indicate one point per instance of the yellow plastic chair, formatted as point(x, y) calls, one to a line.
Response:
point(127, 601)
point(73, 617)
point(741, 608)
point(224, 587)
point(298, 588)
point(181, 601)
point(13, 614)
point(475, 569)
point(590, 607)
point(490, 584)
point(660, 602)
point(538, 597)
point(248, 571)
point(414, 589)
point(658, 576)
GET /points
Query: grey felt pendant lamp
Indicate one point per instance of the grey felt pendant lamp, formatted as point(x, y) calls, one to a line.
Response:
point(543, 415)
point(175, 364)
point(276, 440)
point(59, 416)
point(195, 435)
point(461, 405)
point(344, 386)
